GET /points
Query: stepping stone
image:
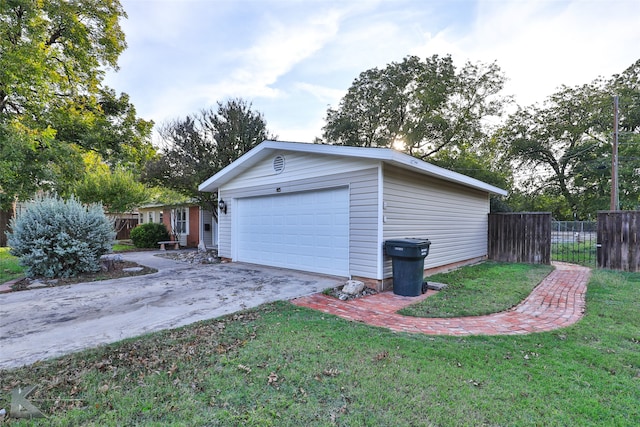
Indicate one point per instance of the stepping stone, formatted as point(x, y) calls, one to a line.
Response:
point(436, 286)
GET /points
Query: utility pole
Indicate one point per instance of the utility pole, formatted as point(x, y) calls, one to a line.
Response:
point(615, 201)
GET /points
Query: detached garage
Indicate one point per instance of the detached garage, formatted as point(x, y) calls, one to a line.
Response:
point(304, 230)
point(328, 209)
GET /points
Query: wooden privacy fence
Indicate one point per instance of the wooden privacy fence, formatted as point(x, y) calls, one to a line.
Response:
point(124, 227)
point(618, 245)
point(520, 237)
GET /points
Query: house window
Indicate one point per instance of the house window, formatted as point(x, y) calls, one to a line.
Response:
point(160, 218)
point(149, 216)
point(181, 221)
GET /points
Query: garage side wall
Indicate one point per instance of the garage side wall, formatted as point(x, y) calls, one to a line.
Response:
point(452, 217)
point(308, 173)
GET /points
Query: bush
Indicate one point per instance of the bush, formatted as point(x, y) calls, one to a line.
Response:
point(148, 235)
point(60, 238)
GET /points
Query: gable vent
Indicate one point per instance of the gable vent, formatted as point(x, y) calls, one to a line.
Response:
point(278, 164)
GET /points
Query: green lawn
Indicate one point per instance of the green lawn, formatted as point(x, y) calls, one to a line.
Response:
point(118, 247)
point(284, 365)
point(9, 267)
point(480, 289)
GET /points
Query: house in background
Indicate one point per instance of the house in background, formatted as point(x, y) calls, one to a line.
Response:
point(329, 209)
point(190, 222)
point(123, 222)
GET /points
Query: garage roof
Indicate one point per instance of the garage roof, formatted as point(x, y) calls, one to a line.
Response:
point(386, 155)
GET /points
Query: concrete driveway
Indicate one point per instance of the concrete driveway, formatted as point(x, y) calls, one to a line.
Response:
point(49, 322)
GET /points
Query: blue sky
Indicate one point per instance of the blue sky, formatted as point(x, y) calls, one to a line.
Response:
point(293, 58)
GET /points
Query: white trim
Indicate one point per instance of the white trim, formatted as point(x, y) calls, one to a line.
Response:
point(387, 155)
point(380, 239)
point(234, 229)
point(174, 220)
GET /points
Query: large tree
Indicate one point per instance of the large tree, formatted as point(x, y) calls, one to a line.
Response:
point(196, 147)
point(562, 148)
point(116, 189)
point(53, 107)
point(424, 107)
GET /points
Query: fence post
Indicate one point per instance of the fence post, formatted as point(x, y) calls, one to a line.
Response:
point(520, 237)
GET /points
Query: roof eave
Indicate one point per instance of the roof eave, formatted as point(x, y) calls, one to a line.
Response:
point(387, 155)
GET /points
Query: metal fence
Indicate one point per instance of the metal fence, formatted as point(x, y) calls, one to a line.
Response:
point(574, 242)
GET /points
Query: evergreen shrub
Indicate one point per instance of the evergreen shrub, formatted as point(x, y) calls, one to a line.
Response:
point(149, 234)
point(60, 238)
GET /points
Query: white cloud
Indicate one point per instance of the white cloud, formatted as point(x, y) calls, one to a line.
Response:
point(281, 47)
point(322, 93)
point(542, 45)
point(293, 59)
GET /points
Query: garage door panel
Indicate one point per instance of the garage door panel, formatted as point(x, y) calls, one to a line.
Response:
point(305, 231)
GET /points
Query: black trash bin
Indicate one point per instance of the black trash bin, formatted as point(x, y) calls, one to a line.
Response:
point(407, 258)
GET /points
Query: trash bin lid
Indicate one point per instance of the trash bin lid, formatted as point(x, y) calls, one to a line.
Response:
point(409, 242)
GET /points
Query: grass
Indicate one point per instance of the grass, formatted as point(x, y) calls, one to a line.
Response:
point(480, 289)
point(583, 253)
point(284, 365)
point(123, 248)
point(9, 266)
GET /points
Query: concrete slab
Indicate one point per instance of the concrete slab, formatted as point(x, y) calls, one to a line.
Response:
point(45, 323)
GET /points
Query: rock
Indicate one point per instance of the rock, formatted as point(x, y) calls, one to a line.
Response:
point(210, 256)
point(353, 287)
point(337, 293)
point(108, 262)
point(133, 269)
point(436, 286)
point(36, 284)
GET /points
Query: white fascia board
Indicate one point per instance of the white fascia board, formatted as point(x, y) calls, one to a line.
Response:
point(387, 155)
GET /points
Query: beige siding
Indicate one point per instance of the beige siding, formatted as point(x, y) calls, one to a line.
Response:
point(452, 217)
point(363, 200)
point(298, 166)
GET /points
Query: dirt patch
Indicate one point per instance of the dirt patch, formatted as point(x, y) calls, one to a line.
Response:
point(117, 269)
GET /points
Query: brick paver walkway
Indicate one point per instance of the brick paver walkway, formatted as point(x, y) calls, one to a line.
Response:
point(558, 301)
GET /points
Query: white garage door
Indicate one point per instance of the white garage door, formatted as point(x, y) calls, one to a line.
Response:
point(304, 231)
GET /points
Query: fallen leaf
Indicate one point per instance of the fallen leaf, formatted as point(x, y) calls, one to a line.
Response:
point(330, 372)
point(272, 379)
point(172, 370)
point(381, 356)
point(244, 368)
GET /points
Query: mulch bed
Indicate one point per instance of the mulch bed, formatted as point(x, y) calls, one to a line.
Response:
point(116, 271)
